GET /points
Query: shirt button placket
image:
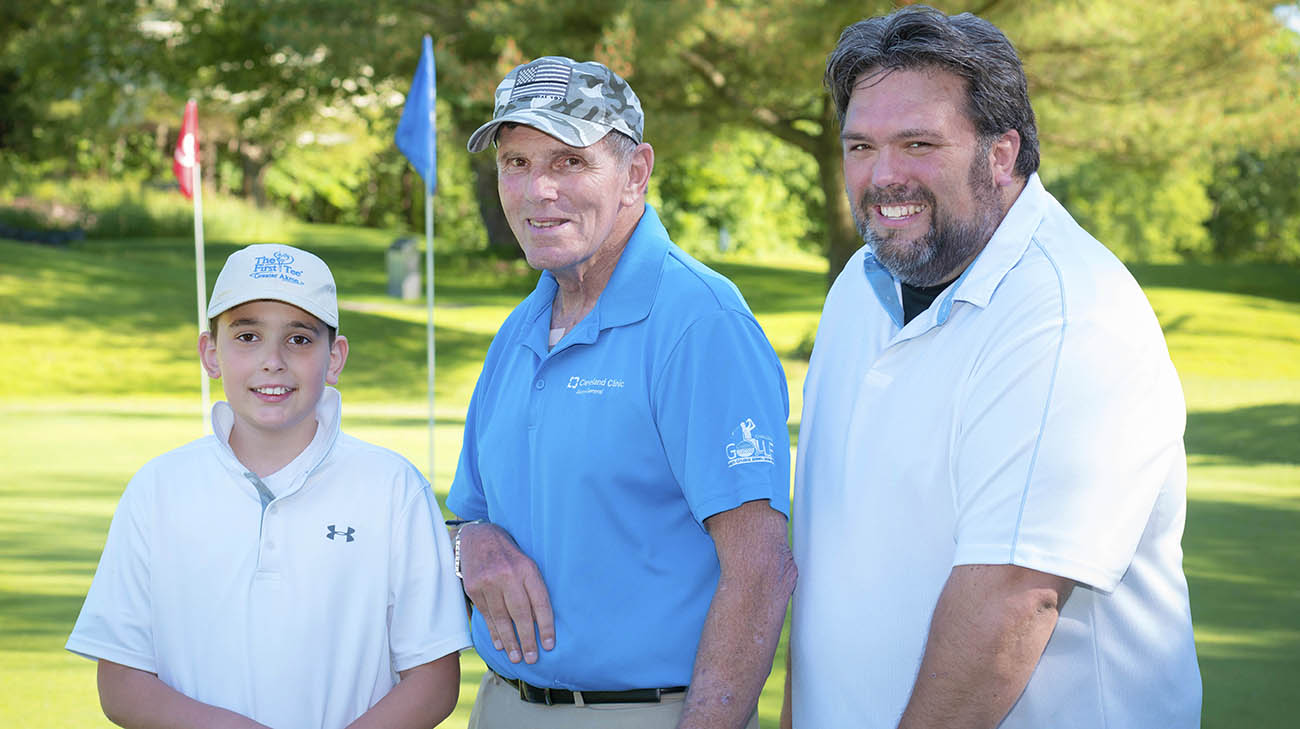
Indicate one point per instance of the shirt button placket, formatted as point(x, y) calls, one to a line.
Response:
point(535, 401)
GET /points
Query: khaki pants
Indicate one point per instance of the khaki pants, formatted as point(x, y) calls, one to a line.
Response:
point(498, 706)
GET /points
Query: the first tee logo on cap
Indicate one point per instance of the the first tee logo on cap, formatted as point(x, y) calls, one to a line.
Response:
point(277, 265)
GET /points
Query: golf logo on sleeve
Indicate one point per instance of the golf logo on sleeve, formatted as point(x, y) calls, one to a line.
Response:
point(277, 265)
point(747, 447)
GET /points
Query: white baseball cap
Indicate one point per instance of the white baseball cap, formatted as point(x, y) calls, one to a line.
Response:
point(279, 273)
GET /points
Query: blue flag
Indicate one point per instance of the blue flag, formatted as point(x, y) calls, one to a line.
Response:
point(415, 131)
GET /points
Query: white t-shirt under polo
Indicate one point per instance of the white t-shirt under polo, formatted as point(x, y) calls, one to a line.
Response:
point(297, 617)
point(1031, 416)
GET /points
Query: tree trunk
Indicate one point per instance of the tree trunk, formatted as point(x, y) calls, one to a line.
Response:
point(254, 162)
point(843, 239)
point(414, 218)
point(501, 240)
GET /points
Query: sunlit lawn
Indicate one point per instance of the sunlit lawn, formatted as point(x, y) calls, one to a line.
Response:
point(97, 374)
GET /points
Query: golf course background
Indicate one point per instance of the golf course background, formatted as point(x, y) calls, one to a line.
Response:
point(98, 374)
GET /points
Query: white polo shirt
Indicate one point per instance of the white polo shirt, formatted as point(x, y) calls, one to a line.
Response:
point(1031, 416)
point(297, 617)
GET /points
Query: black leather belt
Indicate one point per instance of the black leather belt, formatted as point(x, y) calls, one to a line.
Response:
point(537, 695)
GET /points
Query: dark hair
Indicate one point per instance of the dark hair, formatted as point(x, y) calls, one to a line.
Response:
point(331, 332)
point(920, 37)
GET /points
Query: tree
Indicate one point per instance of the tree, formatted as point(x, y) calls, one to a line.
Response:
point(1256, 212)
point(1109, 92)
point(1103, 86)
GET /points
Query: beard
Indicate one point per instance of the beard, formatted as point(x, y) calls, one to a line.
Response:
point(936, 254)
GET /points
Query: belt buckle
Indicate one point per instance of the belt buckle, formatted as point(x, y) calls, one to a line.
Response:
point(525, 696)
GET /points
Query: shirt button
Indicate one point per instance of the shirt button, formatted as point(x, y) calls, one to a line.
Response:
point(270, 545)
point(540, 384)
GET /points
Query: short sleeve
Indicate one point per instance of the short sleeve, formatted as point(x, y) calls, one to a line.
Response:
point(465, 497)
point(1068, 436)
point(721, 407)
point(116, 620)
point(426, 604)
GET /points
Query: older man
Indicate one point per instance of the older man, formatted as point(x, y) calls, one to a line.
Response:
point(990, 488)
point(625, 468)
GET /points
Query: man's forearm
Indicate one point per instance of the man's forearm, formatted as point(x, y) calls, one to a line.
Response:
point(989, 629)
point(744, 621)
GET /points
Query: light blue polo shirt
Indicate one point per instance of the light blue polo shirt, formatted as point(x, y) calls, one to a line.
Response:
point(603, 456)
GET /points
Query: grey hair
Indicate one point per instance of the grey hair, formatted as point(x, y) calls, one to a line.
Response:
point(919, 37)
point(616, 143)
point(620, 145)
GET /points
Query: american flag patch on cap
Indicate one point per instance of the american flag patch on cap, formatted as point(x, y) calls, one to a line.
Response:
point(543, 79)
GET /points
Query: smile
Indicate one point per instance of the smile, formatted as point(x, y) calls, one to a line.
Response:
point(549, 223)
point(895, 212)
point(274, 390)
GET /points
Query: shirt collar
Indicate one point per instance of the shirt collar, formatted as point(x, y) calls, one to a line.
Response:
point(627, 297)
point(328, 415)
point(981, 278)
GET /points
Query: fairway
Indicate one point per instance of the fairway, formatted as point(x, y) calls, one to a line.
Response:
point(98, 374)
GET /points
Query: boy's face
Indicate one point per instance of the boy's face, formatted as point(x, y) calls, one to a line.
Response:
point(274, 361)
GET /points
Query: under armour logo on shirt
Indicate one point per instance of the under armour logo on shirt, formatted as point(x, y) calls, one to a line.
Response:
point(333, 532)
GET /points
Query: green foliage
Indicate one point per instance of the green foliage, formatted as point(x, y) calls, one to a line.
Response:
point(1142, 215)
point(96, 90)
point(114, 208)
point(762, 192)
point(1256, 199)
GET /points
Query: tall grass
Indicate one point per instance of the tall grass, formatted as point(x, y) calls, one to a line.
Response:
point(139, 208)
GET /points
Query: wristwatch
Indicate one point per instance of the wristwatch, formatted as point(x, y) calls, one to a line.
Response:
point(460, 525)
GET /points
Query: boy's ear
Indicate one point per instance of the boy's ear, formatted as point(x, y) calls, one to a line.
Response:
point(208, 355)
point(338, 357)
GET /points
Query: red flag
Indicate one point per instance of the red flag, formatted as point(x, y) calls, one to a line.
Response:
point(187, 149)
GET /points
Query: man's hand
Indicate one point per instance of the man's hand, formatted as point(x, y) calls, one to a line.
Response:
point(508, 590)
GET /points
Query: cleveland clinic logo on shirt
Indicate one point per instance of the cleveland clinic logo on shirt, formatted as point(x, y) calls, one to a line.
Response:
point(593, 385)
point(277, 265)
point(749, 447)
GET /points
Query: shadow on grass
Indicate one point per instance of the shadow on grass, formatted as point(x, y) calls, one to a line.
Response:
point(1268, 280)
point(1249, 435)
point(1242, 574)
point(769, 290)
point(49, 546)
point(388, 356)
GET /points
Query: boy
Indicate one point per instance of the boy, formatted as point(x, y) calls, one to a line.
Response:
point(276, 573)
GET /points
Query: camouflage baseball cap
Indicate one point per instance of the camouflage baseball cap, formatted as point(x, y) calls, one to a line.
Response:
point(577, 103)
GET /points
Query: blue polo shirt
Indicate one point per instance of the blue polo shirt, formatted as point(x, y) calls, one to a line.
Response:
point(603, 456)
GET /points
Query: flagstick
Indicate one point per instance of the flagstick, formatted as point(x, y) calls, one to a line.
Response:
point(200, 285)
point(428, 267)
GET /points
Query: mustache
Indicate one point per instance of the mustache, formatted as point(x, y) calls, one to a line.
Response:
point(894, 194)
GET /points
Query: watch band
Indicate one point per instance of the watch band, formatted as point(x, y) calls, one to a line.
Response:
point(455, 543)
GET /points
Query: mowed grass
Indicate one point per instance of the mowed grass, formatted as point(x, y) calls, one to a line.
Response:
point(98, 374)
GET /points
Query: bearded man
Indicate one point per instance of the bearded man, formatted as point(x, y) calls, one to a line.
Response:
point(990, 487)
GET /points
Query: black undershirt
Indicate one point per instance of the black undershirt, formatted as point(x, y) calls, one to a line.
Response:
point(917, 299)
